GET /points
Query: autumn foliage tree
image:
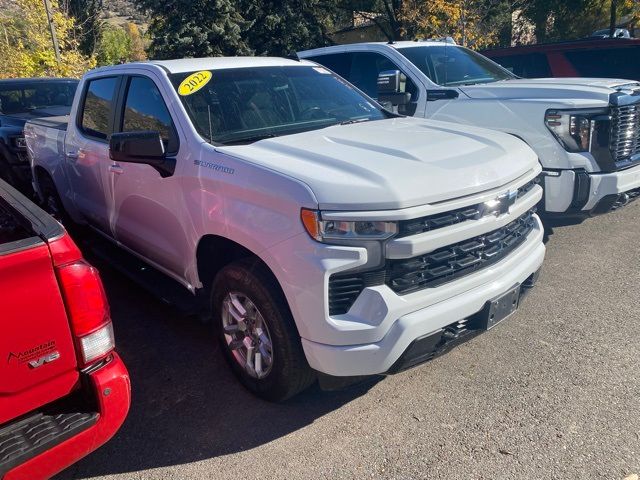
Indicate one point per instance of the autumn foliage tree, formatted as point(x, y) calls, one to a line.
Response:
point(26, 48)
point(119, 44)
point(468, 22)
point(553, 20)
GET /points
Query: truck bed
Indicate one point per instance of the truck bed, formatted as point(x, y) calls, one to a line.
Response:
point(58, 123)
point(33, 320)
point(22, 224)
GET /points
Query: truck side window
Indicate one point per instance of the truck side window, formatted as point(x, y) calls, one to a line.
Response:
point(340, 63)
point(98, 104)
point(145, 109)
point(365, 68)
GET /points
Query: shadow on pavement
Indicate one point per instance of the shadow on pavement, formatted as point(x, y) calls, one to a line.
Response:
point(186, 405)
point(551, 222)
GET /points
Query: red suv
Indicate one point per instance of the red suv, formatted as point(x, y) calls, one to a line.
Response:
point(63, 389)
point(602, 58)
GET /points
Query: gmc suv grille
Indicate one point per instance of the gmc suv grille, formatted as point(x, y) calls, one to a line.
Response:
point(440, 220)
point(433, 269)
point(625, 132)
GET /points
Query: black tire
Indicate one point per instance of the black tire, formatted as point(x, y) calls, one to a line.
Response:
point(51, 201)
point(290, 373)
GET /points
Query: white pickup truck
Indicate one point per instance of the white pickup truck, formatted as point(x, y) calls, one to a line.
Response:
point(325, 233)
point(586, 131)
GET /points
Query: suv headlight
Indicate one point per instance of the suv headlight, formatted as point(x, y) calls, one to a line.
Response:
point(574, 129)
point(347, 231)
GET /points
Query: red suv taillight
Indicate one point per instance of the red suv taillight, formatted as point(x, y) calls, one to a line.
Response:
point(88, 310)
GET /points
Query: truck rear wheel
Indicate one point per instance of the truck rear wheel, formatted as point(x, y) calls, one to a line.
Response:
point(257, 333)
point(51, 200)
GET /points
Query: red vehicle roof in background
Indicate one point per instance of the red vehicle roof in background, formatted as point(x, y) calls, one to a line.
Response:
point(591, 43)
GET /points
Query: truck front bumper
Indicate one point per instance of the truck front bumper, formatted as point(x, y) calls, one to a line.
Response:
point(580, 193)
point(410, 338)
point(106, 396)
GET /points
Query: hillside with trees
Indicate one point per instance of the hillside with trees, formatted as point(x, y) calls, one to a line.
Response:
point(104, 32)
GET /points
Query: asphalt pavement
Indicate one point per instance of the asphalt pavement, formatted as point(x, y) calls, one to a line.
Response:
point(551, 393)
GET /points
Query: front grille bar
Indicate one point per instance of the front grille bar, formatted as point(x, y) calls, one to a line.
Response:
point(429, 223)
point(436, 268)
point(624, 141)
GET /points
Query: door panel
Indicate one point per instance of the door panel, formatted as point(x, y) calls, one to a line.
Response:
point(144, 205)
point(87, 151)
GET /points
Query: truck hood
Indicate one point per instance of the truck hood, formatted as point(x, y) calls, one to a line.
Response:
point(598, 89)
point(393, 163)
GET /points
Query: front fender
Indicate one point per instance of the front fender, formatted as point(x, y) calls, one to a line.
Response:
point(251, 205)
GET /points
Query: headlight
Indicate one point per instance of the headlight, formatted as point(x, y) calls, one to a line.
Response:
point(337, 231)
point(574, 129)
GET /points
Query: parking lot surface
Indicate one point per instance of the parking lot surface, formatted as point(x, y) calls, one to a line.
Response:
point(553, 392)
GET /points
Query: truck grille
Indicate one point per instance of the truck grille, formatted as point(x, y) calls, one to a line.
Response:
point(624, 139)
point(432, 269)
point(441, 220)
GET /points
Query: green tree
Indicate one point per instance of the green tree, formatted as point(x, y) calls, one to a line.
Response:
point(88, 22)
point(25, 45)
point(282, 27)
point(113, 47)
point(387, 15)
point(572, 19)
point(198, 28)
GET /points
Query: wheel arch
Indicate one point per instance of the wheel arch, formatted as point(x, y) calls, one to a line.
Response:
point(214, 252)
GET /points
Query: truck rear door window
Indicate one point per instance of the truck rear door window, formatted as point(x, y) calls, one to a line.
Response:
point(98, 107)
point(622, 62)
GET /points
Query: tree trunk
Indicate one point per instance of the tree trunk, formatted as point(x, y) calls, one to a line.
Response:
point(612, 21)
point(541, 30)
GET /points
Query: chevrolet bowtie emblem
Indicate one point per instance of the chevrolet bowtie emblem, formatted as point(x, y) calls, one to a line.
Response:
point(499, 205)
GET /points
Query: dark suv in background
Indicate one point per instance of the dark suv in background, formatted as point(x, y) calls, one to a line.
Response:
point(608, 58)
point(21, 100)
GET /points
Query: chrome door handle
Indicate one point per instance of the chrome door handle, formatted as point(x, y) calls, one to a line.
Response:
point(73, 156)
point(117, 169)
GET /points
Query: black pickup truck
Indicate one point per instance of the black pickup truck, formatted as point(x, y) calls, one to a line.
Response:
point(21, 100)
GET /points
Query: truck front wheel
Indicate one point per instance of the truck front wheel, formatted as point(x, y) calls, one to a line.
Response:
point(257, 333)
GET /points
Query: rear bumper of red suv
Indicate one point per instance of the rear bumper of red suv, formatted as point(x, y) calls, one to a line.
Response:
point(109, 385)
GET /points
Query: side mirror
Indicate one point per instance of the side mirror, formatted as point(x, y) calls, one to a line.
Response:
point(392, 86)
point(143, 147)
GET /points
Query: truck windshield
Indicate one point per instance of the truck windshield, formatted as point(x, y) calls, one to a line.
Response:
point(25, 97)
point(243, 105)
point(453, 65)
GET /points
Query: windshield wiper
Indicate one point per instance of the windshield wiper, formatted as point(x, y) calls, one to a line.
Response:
point(354, 120)
point(251, 139)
